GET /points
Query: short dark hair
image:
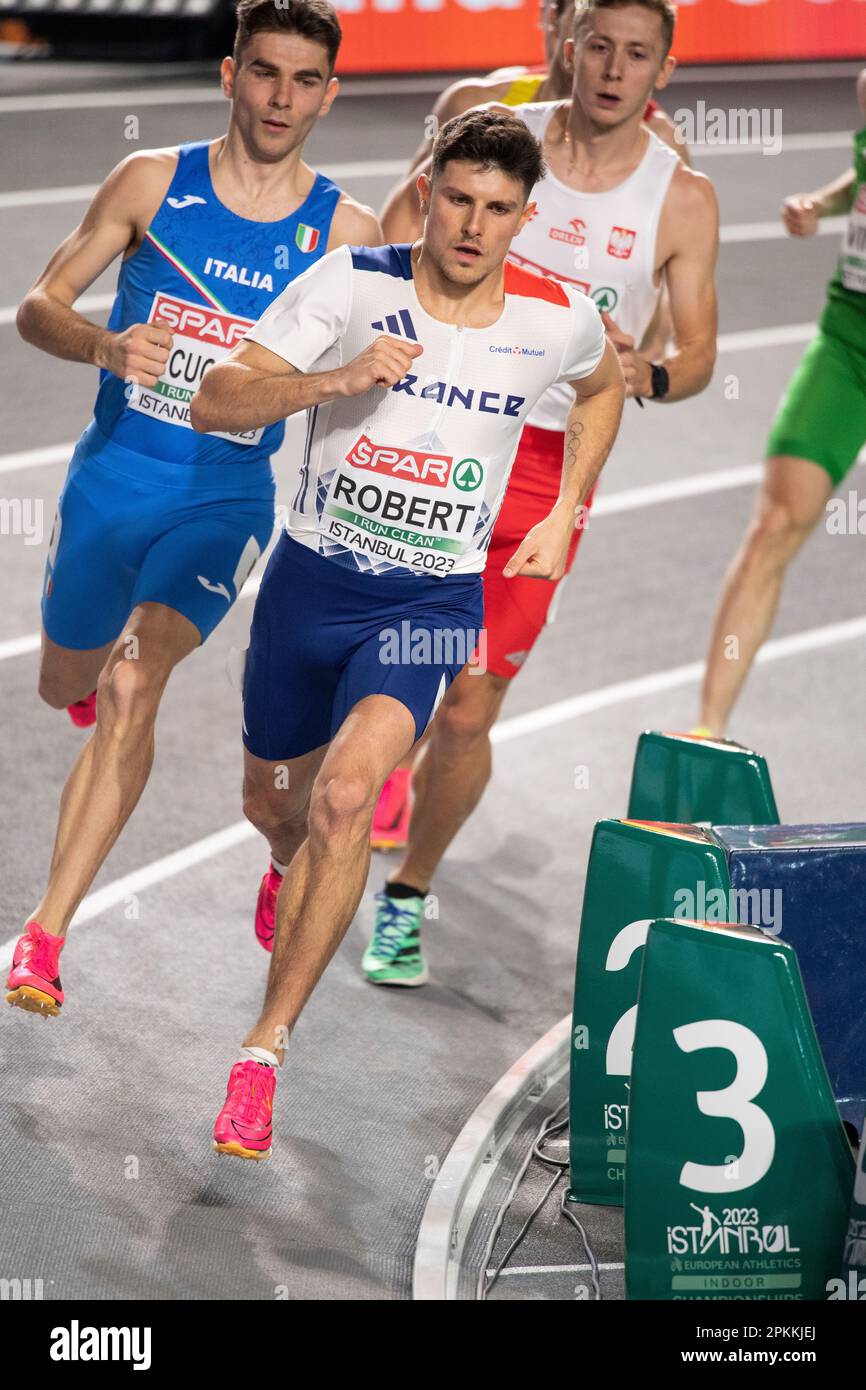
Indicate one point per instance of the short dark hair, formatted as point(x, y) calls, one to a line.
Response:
point(665, 9)
point(494, 140)
point(315, 20)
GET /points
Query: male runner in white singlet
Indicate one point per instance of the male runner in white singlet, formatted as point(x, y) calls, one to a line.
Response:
point(417, 366)
point(515, 86)
point(618, 216)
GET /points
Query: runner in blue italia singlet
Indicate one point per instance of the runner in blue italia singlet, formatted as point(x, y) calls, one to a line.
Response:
point(159, 525)
point(152, 511)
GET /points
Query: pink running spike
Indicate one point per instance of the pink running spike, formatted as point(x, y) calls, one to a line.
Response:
point(244, 1124)
point(83, 712)
point(34, 980)
point(390, 829)
point(266, 908)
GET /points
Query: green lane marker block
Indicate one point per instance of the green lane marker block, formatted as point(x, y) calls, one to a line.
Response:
point(683, 777)
point(739, 1172)
point(636, 872)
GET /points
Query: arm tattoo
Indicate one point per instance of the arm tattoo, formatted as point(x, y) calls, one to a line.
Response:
point(572, 443)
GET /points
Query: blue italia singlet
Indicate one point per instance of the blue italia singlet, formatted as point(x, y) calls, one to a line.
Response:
point(152, 511)
point(209, 275)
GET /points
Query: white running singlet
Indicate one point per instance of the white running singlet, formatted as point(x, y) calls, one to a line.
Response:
point(413, 477)
point(604, 243)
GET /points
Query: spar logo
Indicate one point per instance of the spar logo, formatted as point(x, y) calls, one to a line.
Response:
point(621, 243)
point(576, 237)
point(605, 299)
point(197, 321)
point(413, 465)
point(468, 475)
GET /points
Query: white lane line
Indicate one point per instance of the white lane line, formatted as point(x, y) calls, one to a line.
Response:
point(398, 86)
point(635, 498)
point(629, 500)
point(87, 304)
point(745, 341)
point(20, 646)
point(551, 1269)
point(83, 192)
point(36, 458)
point(765, 72)
point(813, 639)
point(157, 872)
point(194, 96)
point(654, 494)
point(161, 869)
point(774, 231)
point(789, 144)
point(393, 168)
point(41, 197)
point(749, 340)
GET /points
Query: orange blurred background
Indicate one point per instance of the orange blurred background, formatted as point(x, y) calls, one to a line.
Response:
point(412, 35)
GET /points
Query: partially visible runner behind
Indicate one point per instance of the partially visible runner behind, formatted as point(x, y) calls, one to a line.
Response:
point(158, 527)
point(509, 87)
point(620, 217)
point(515, 86)
point(816, 437)
point(417, 366)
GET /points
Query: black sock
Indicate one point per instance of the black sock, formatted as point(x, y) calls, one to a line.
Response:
point(403, 890)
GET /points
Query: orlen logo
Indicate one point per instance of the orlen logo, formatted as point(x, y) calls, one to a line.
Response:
point(198, 321)
point(411, 464)
point(576, 237)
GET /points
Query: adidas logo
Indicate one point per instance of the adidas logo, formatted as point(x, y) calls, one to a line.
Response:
point(400, 325)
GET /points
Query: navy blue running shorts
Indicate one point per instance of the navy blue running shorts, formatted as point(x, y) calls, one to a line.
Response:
point(324, 637)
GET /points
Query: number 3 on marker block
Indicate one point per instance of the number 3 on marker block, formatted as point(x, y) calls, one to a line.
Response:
point(734, 1102)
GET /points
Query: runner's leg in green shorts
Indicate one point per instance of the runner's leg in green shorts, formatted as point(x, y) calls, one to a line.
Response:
point(816, 438)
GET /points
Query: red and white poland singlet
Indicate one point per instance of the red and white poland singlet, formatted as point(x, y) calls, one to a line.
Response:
point(604, 243)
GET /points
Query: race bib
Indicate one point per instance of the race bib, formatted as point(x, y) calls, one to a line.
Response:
point(201, 336)
point(405, 505)
point(854, 248)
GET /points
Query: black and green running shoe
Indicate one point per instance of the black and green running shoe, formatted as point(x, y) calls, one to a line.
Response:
point(393, 956)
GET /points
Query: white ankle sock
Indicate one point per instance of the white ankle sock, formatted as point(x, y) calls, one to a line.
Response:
point(258, 1054)
point(278, 868)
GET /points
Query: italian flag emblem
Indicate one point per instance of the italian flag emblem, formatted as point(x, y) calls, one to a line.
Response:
point(306, 238)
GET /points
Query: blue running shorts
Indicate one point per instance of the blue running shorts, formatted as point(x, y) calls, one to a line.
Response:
point(324, 637)
point(131, 529)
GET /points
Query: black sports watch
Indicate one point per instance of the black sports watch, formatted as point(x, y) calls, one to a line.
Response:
point(661, 382)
